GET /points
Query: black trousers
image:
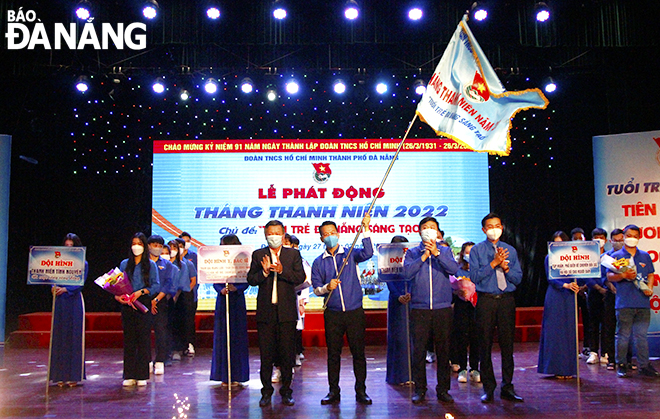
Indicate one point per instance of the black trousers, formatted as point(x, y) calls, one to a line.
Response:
point(583, 306)
point(425, 322)
point(352, 324)
point(184, 321)
point(277, 343)
point(162, 330)
point(137, 340)
point(608, 327)
point(464, 336)
point(496, 311)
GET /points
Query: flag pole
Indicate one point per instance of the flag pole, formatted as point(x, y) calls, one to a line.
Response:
point(373, 202)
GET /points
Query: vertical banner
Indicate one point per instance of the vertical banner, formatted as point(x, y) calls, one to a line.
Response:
point(5, 154)
point(627, 187)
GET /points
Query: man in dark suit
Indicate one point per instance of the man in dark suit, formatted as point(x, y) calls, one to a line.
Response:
point(276, 270)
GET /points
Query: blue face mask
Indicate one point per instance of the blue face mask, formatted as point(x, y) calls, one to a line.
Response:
point(331, 241)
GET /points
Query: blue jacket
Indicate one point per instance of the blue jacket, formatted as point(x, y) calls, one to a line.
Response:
point(430, 286)
point(627, 293)
point(167, 274)
point(136, 277)
point(348, 295)
point(484, 276)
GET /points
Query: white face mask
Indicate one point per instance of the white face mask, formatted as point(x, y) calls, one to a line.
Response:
point(187, 245)
point(494, 233)
point(274, 241)
point(617, 245)
point(137, 249)
point(630, 241)
point(601, 242)
point(429, 234)
point(165, 257)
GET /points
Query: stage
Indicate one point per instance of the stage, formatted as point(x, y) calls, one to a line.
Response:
point(23, 391)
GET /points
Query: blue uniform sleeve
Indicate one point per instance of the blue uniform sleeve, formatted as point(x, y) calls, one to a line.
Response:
point(514, 275)
point(365, 253)
point(412, 263)
point(480, 269)
point(154, 280)
point(318, 277)
point(445, 260)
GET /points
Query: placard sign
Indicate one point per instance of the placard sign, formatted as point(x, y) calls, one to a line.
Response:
point(390, 260)
point(223, 264)
point(56, 265)
point(574, 259)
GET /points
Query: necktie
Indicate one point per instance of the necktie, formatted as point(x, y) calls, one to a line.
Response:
point(273, 298)
point(501, 279)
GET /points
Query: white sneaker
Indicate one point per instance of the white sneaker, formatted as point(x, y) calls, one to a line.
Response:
point(475, 376)
point(462, 376)
point(455, 367)
point(593, 358)
point(276, 376)
point(298, 362)
point(141, 383)
point(302, 356)
point(176, 356)
point(604, 359)
point(128, 383)
point(191, 350)
point(151, 367)
point(430, 357)
point(159, 368)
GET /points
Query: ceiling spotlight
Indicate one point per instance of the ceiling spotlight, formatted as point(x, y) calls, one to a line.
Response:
point(339, 87)
point(550, 85)
point(279, 9)
point(415, 13)
point(159, 85)
point(292, 87)
point(184, 95)
point(247, 86)
point(150, 9)
point(381, 88)
point(419, 86)
point(271, 93)
point(82, 84)
point(83, 10)
point(542, 12)
point(351, 10)
point(479, 11)
point(213, 12)
point(211, 86)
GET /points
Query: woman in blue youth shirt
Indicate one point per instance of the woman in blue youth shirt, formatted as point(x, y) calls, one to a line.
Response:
point(556, 354)
point(67, 359)
point(143, 274)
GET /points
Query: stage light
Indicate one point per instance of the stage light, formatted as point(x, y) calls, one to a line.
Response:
point(292, 87)
point(419, 87)
point(247, 86)
point(271, 93)
point(84, 10)
point(82, 84)
point(279, 10)
point(351, 10)
point(211, 86)
point(381, 88)
point(542, 12)
point(159, 85)
point(550, 85)
point(339, 87)
point(213, 13)
point(479, 11)
point(150, 9)
point(415, 13)
point(184, 95)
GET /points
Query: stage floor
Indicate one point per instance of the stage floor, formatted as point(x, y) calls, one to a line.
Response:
point(23, 391)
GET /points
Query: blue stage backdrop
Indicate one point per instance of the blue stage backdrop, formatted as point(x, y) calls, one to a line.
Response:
point(627, 185)
point(211, 188)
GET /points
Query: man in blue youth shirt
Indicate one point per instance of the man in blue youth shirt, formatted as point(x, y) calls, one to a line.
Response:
point(495, 271)
point(633, 309)
point(428, 266)
point(344, 314)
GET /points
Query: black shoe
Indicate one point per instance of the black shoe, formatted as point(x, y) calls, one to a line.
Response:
point(418, 397)
point(511, 396)
point(445, 397)
point(287, 400)
point(611, 366)
point(331, 398)
point(362, 398)
point(649, 371)
point(622, 371)
point(265, 400)
point(487, 397)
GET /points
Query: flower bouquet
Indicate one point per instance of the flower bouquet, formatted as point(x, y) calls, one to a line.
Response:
point(463, 283)
point(624, 265)
point(118, 283)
